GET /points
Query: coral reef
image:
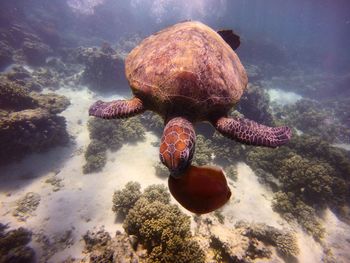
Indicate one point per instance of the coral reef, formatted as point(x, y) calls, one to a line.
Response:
point(104, 68)
point(125, 199)
point(203, 152)
point(151, 220)
point(13, 245)
point(6, 53)
point(14, 97)
point(153, 122)
point(35, 51)
point(109, 134)
point(231, 172)
point(26, 206)
point(312, 118)
point(227, 151)
point(28, 121)
point(161, 170)
point(95, 156)
point(293, 208)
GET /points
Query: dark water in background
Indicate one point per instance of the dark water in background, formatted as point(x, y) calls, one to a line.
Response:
point(298, 46)
point(298, 34)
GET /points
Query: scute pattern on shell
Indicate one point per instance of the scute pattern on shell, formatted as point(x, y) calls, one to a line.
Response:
point(177, 143)
point(187, 64)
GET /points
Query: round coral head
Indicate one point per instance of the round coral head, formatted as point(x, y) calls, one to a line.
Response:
point(200, 189)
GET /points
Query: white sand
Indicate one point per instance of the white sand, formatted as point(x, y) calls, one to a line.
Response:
point(283, 97)
point(250, 200)
point(337, 236)
point(345, 146)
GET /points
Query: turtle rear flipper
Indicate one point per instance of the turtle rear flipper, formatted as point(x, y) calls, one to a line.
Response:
point(252, 133)
point(117, 108)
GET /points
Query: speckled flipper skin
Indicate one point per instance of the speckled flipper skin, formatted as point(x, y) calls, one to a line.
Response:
point(116, 109)
point(177, 145)
point(252, 133)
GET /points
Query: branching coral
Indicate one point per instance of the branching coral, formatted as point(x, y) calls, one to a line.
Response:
point(203, 151)
point(161, 170)
point(95, 156)
point(227, 151)
point(292, 208)
point(124, 200)
point(162, 228)
point(157, 192)
point(313, 119)
point(310, 179)
point(311, 174)
point(153, 122)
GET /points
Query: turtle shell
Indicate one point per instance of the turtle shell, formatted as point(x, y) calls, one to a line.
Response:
point(186, 69)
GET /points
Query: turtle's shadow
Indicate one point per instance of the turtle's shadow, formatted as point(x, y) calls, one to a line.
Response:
point(119, 218)
point(17, 175)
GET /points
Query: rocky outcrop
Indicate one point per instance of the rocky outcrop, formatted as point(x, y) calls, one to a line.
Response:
point(24, 45)
point(104, 69)
point(13, 245)
point(28, 121)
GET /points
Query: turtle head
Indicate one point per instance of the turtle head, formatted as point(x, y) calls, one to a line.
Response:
point(177, 145)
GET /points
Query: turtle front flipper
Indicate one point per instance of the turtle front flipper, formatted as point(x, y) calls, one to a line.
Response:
point(252, 133)
point(116, 108)
point(177, 145)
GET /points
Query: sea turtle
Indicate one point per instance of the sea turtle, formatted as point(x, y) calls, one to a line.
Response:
point(187, 73)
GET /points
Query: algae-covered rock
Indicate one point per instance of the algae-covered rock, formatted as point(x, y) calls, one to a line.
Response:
point(28, 120)
point(35, 51)
point(32, 130)
point(54, 103)
point(14, 97)
point(104, 68)
point(13, 245)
